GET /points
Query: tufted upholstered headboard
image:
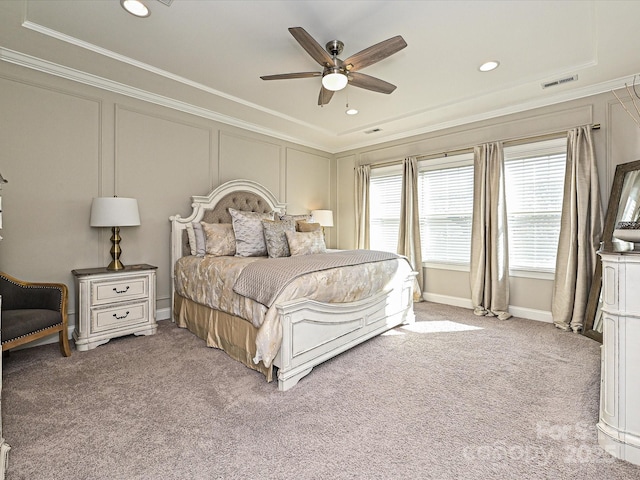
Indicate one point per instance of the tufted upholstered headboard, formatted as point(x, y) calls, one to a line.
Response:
point(239, 200)
point(243, 195)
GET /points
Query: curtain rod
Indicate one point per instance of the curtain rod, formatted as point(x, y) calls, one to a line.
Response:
point(460, 151)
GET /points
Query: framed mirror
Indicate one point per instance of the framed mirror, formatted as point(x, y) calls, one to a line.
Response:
point(623, 202)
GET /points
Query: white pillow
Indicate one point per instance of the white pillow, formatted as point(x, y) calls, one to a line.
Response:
point(247, 227)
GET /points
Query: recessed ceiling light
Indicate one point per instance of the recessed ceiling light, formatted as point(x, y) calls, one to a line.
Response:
point(351, 111)
point(135, 7)
point(488, 66)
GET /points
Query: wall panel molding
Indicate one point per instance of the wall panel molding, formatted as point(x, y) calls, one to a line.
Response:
point(38, 64)
point(118, 107)
point(245, 156)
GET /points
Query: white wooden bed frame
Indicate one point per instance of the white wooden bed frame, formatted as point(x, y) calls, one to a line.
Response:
point(312, 332)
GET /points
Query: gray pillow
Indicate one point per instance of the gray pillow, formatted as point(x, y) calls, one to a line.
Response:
point(306, 217)
point(196, 239)
point(247, 227)
point(200, 239)
point(192, 238)
point(275, 238)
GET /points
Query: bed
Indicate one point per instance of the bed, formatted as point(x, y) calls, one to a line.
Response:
point(301, 321)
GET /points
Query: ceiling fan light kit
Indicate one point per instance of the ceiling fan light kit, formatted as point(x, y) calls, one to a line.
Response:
point(336, 73)
point(334, 80)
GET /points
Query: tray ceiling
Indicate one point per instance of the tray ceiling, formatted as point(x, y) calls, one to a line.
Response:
point(206, 58)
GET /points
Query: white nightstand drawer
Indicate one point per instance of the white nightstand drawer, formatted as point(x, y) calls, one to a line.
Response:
point(106, 319)
point(114, 303)
point(119, 290)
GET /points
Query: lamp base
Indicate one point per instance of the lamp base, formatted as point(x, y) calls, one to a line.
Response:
point(115, 264)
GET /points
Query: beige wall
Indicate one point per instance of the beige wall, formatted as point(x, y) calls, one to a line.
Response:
point(617, 141)
point(64, 143)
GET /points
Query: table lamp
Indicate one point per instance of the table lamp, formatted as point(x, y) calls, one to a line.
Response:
point(323, 217)
point(115, 212)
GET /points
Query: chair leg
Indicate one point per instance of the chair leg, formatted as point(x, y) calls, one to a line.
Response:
point(64, 343)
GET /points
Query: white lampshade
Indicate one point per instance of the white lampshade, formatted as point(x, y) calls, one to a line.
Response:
point(323, 217)
point(114, 212)
point(334, 81)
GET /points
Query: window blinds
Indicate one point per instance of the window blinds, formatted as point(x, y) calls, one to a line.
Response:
point(384, 212)
point(534, 189)
point(446, 207)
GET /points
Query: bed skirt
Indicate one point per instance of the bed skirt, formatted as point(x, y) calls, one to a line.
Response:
point(234, 335)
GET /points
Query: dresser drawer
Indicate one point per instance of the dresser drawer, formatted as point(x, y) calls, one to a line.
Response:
point(111, 318)
point(110, 291)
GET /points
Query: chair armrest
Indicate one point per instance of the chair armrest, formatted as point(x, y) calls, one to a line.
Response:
point(17, 294)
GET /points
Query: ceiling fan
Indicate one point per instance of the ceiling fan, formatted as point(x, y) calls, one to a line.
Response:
point(337, 73)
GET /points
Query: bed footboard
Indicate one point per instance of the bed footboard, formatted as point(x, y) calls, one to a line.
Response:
point(313, 332)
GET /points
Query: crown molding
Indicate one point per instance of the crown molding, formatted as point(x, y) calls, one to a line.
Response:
point(162, 73)
point(45, 66)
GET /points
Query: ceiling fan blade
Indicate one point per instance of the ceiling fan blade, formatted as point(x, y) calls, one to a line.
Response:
point(368, 82)
point(325, 96)
point(312, 47)
point(285, 76)
point(374, 54)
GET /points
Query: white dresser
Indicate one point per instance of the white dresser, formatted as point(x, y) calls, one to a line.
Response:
point(114, 303)
point(4, 447)
point(619, 425)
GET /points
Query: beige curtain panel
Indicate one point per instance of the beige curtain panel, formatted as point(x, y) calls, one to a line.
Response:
point(489, 249)
point(363, 177)
point(409, 232)
point(580, 232)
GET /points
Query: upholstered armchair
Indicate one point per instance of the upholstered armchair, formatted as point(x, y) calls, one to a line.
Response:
point(31, 311)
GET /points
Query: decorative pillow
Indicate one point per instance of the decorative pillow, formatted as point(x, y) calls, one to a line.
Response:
point(200, 241)
point(192, 238)
point(302, 226)
point(196, 238)
point(247, 227)
point(306, 243)
point(306, 217)
point(220, 240)
point(275, 238)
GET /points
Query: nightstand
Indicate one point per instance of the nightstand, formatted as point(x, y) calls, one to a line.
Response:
point(114, 303)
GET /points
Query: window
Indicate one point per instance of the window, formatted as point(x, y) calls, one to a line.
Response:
point(446, 206)
point(534, 183)
point(385, 189)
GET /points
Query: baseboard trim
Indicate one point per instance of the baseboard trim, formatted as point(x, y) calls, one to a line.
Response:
point(531, 314)
point(161, 314)
point(520, 312)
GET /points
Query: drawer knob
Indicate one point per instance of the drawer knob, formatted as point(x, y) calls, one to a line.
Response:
point(121, 316)
point(120, 291)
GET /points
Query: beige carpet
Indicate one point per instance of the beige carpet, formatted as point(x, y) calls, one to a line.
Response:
point(453, 397)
